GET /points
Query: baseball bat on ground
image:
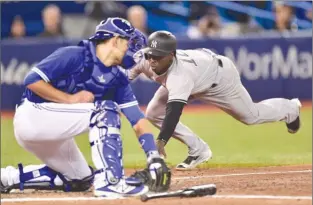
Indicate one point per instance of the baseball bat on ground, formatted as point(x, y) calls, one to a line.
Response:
point(195, 191)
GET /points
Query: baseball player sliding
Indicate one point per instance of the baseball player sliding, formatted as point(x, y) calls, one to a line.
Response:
point(200, 74)
point(78, 89)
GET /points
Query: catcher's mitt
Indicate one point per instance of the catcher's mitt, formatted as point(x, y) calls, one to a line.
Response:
point(143, 175)
point(157, 176)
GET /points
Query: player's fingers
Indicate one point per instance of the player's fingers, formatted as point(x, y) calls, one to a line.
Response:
point(164, 153)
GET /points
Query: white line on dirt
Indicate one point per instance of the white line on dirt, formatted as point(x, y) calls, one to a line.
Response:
point(215, 196)
point(178, 178)
point(54, 199)
point(243, 174)
point(261, 197)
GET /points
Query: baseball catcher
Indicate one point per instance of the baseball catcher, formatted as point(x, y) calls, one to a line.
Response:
point(81, 89)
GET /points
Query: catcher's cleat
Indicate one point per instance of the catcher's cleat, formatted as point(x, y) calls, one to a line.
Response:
point(192, 161)
point(294, 126)
point(4, 189)
point(120, 190)
point(4, 183)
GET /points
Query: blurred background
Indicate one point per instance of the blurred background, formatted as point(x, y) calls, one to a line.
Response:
point(269, 41)
point(191, 19)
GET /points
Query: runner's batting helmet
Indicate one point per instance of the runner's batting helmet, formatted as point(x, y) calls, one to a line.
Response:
point(161, 43)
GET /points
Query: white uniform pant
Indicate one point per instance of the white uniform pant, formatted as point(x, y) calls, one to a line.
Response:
point(47, 130)
point(230, 96)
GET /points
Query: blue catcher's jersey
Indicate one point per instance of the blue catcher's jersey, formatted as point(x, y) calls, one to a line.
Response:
point(75, 68)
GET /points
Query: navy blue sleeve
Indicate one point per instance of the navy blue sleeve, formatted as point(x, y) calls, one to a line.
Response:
point(127, 101)
point(61, 62)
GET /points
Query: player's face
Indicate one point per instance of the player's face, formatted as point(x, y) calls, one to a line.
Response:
point(121, 49)
point(159, 64)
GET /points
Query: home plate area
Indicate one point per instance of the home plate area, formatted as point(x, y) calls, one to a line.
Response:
point(237, 186)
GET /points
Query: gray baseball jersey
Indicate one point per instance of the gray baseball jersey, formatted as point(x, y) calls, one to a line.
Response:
point(192, 72)
point(191, 77)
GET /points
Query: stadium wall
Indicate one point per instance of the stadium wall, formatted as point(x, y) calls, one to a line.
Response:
point(269, 66)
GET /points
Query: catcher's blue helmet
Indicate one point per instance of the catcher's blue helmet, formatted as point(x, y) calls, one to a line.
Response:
point(122, 28)
point(113, 27)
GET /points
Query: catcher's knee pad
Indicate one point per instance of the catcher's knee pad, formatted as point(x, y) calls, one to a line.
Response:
point(105, 115)
point(42, 177)
point(105, 141)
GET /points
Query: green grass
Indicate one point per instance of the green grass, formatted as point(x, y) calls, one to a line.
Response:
point(232, 143)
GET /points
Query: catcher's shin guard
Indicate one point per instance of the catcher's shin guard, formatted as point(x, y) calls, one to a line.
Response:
point(106, 144)
point(40, 177)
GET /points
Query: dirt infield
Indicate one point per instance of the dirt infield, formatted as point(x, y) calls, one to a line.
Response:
point(289, 185)
point(258, 186)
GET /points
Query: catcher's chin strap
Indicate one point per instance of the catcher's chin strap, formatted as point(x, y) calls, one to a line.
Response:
point(51, 180)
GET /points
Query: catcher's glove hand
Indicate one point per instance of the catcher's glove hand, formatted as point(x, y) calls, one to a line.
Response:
point(157, 176)
point(144, 176)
